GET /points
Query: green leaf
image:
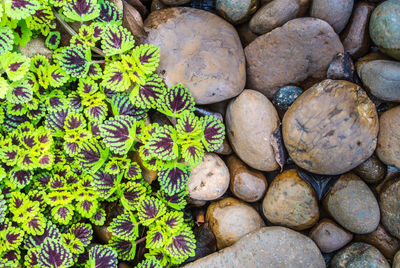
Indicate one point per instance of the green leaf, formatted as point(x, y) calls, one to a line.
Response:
point(188, 126)
point(42, 20)
point(147, 57)
point(53, 40)
point(126, 249)
point(93, 155)
point(116, 40)
point(20, 9)
point(173, 177)
point(177, 100)
point(163, 143)
point(150, 262)
point(125, 227)
point(150, 209)
point(4, 87)
point(75, 60)
point(173, 221)
point(213, 133)
point(16, 65)
point(148, 95)
point(119, 133)
point(22, 34)
point(182, 245)
point(115, 77)
point(54, 254)
point(132, 193)
point(192, 152)
point(81, 10)
point(156, 237)
point(62, 214)
point(20, 92)
point(6, 40)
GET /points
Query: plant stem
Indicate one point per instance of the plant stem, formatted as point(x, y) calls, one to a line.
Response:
point(141, 240)
point(98, 61)
point(72, 31)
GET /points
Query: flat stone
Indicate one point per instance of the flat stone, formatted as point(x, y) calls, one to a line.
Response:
point(291, 202)
point(210, 179)
point(359, 255)
point(250, 120)
point(382, 79)
point(231, 219)
point(329, 236)
point(355, 37)
point(389, 197)
point(200, 50)
point(300, 50)
point(336, 13)
point(269, 247)
point(353, 205)
point(276, 13)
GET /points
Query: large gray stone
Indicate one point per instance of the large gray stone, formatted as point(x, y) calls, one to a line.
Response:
point(269, 247)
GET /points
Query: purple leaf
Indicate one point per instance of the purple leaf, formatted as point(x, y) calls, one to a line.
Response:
point(54, 254)
point(102, 257)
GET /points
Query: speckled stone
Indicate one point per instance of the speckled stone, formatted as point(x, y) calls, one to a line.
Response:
point(353, 205)
point(291, 202)
point(396, 260)
point(236, 11)
point(300, 50)
point(230, 219)
point(359, 255)
point(285, 96)
point(384, 27)
point(329, 236)
point(371, 170)
point(36, 46)
point(382, 240)
point(269, 247)
point(200, 50)
point(390, 206)
point(336, 13)
point(210, 179)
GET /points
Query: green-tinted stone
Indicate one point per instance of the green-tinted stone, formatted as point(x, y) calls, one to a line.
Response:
point(236, 11)
point(384, 27)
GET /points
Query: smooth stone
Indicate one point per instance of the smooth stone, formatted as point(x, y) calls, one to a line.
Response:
point(337, 13)
point(285, 96)
point(384, 28)
point(236, 11)
point(230, 219)
point(250, 120)
point(382, 79)
point(276, 13)
point(342, 68)
point(291, 202)
point(382, 240)
point(36, 46)
point(355, 37)
point(389, 197)
point(157, 5)
point(388, 149)
point(225, 148)
point(200, 50)
point(396, 260)
point(331, 128)
point(210, 179)
point(102, 234)
point(246, 184)
point(269, 247)
point(377, 55)
point(359, 255)
point(300, 50)
point(353, 205)
point(245, 34)
point(175, 2)
point(371, 170)
point(206, 243)
point(329, 236)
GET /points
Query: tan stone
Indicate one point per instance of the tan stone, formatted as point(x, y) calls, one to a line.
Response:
point(389, 197)
point(336, 13)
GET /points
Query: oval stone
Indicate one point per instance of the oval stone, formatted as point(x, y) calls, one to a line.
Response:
point(331, 128)
point(390, 206)
point(300, 50)
point(250, 120)
point(353, 205)
point(336, 13)
point(236, 11)
point(210, 63)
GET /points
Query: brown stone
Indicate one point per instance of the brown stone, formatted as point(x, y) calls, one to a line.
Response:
point(210, 179)
point(236, 11)
point(36, 46)
point(370, 57)
point(355, 37)
point(336, 13)
point(388, 149)
point(382, 240)
point(396, 260)
point(175, 2)
point(247, 184)
point(157, 5)
point(301, 49)
point(359, 255)
point(371, 170)
point(245, 34)
point(291, 202)
point(389, 197)
point(329, 236)
point(200, 50)
point(353, 205)
point(148, 175)
point(102, 234)
point(225, 148)
point(331, 128)
point(269, 247)
point(276, 13)
point(250, 120)
point(231, 219)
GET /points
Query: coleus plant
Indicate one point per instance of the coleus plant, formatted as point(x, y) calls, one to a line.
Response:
point(75, 137)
